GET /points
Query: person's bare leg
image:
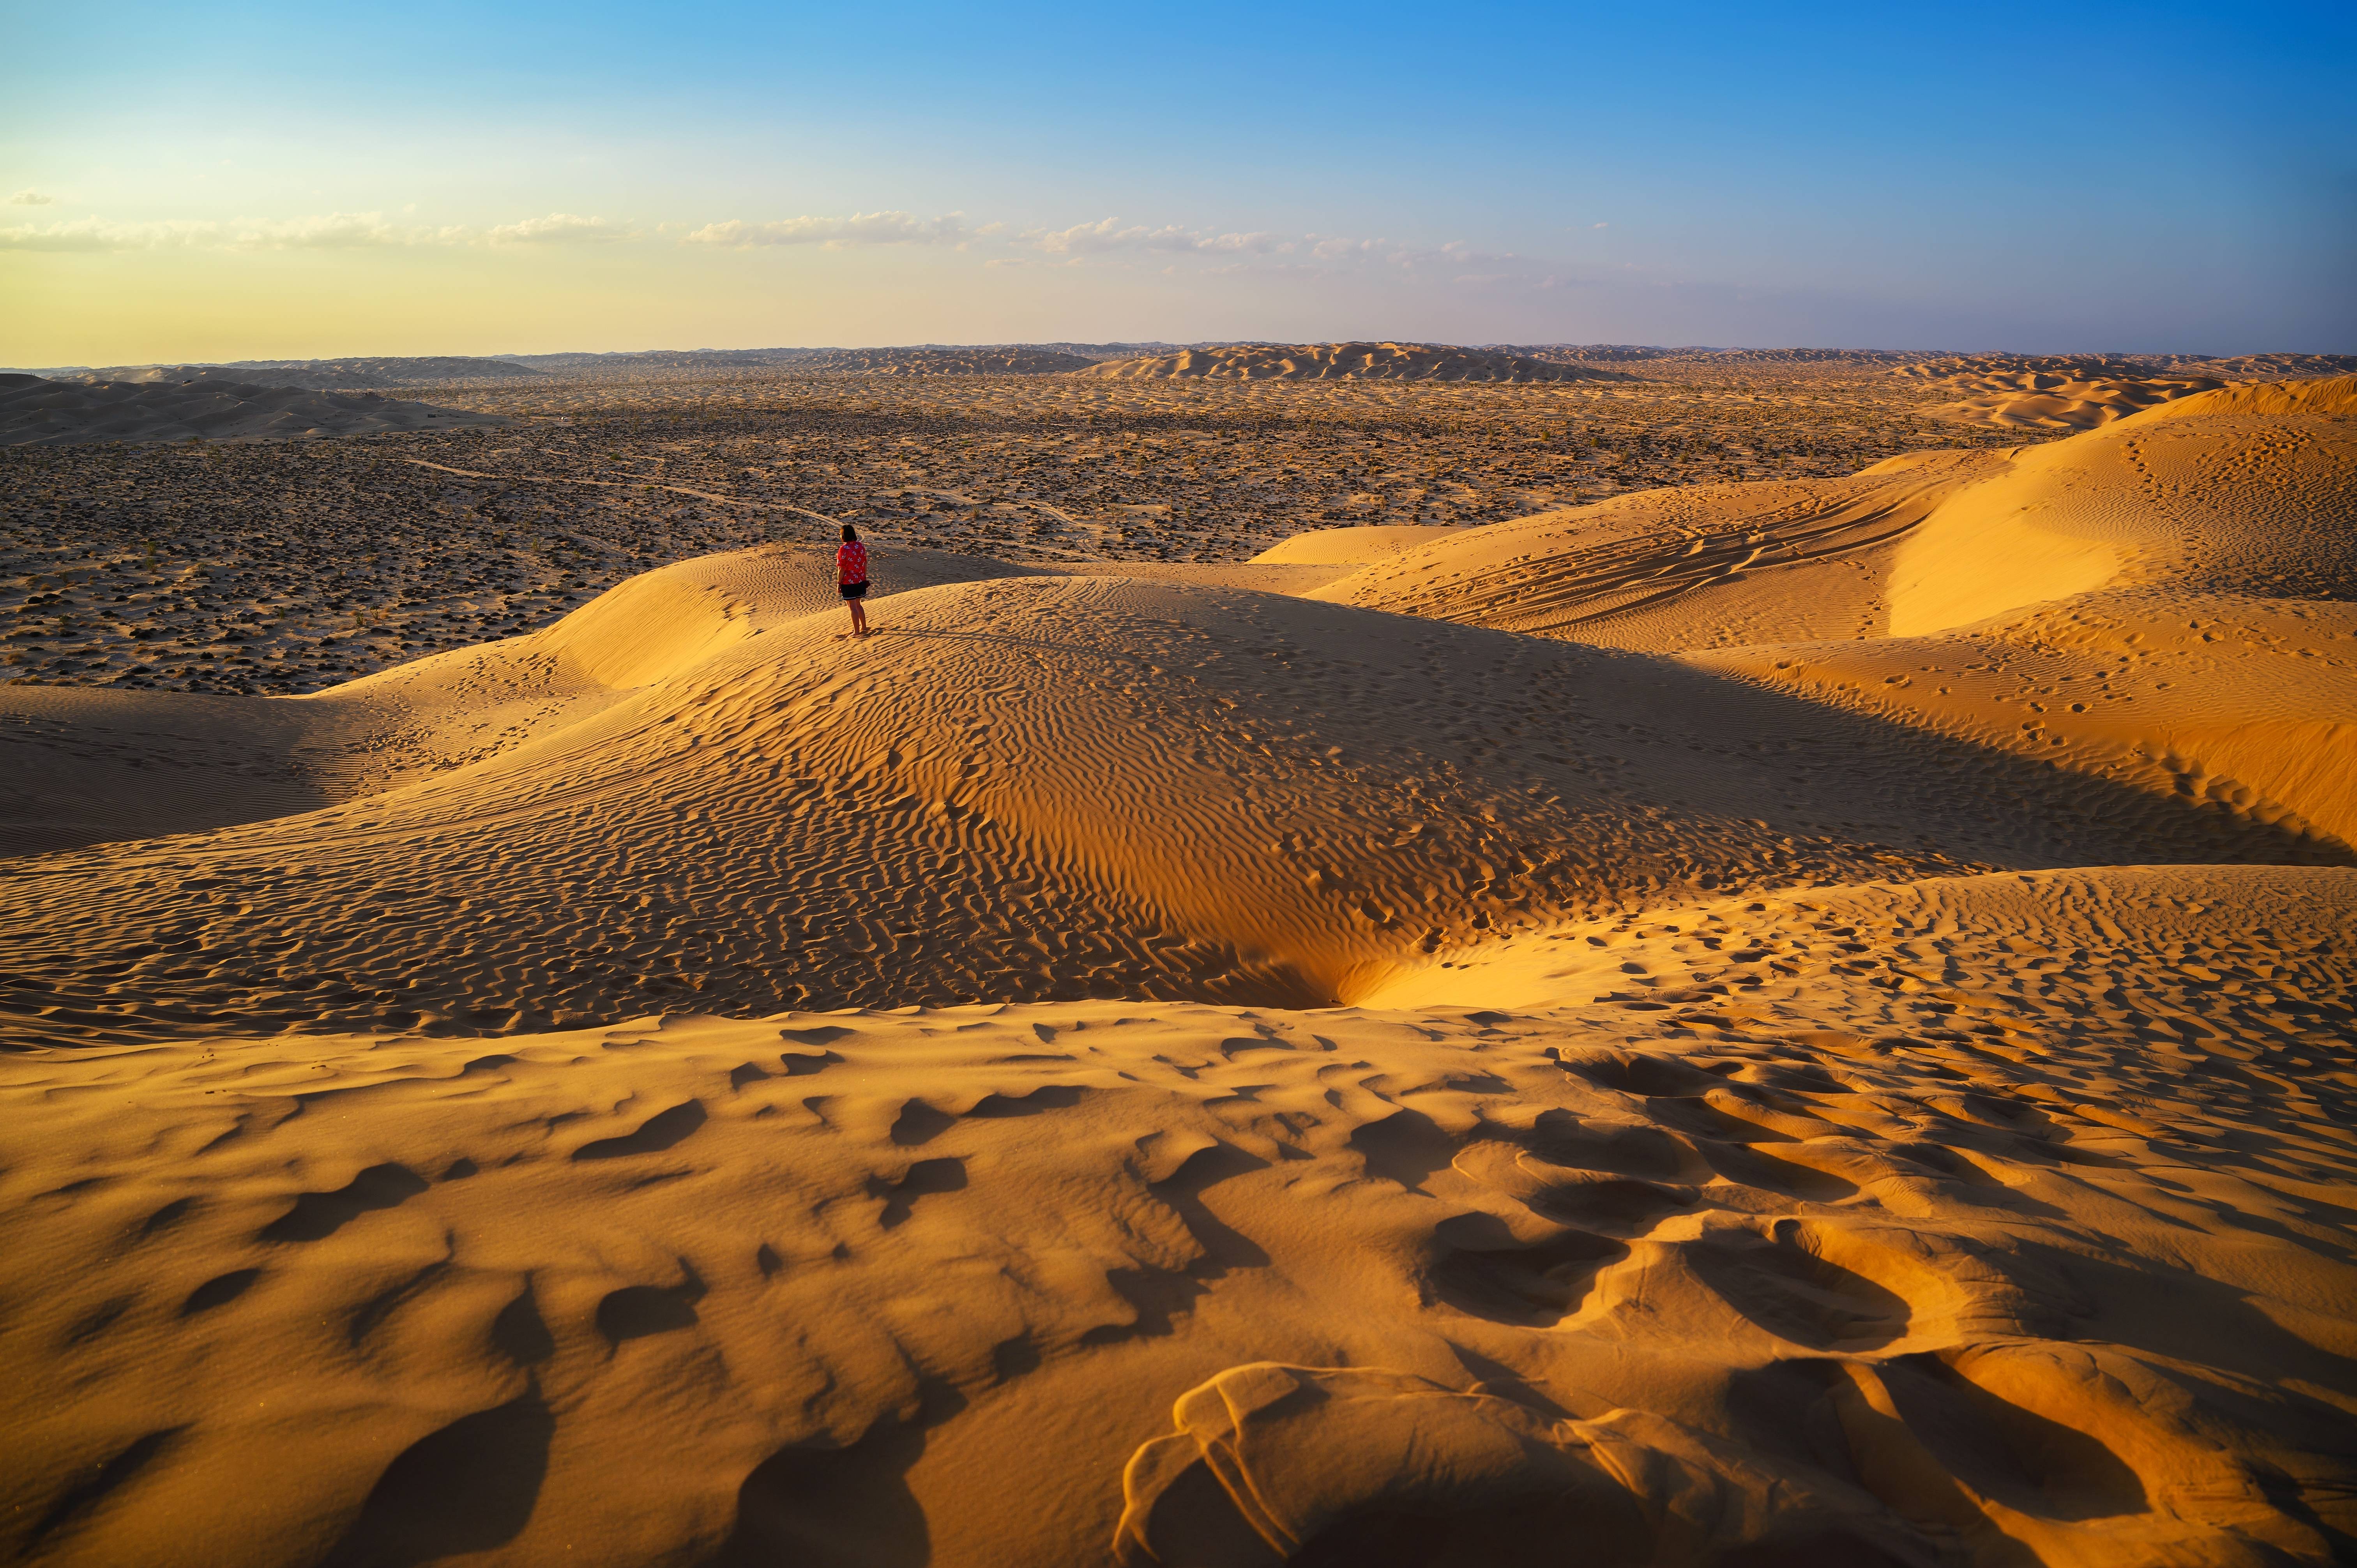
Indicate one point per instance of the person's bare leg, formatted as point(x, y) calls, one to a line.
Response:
point(858, 618)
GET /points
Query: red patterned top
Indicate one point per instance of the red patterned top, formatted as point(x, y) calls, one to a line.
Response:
point(851, 562)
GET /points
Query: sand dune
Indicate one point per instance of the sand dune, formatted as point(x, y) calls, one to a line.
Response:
point(1664, 570)
point(85, 767)
point(2275, 367)
point(2162, 600)
point(1357, 362)
point(325, 374)
point(2068, 367)
point(2055, 391)
point(2042, 401)
point(1021, 790)
point(1016, 361)
point(1790, 1023)
point(33, 411)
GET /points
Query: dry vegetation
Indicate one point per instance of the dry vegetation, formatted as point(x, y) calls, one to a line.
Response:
point(291, 567)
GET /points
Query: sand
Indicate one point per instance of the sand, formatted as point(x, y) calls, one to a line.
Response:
point(1797, 1021)
point(209, 408)
point(1015, 360)
point(1354, 361)
point(323, 374)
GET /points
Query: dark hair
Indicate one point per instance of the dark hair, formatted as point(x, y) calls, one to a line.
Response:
point(849, 532)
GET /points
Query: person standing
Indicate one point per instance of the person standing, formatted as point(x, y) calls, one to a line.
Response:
point(851, 577)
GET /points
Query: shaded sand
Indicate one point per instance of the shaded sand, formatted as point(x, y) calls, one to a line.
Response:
point(1789, 1024)
point(1369, 362)
point(33, 411)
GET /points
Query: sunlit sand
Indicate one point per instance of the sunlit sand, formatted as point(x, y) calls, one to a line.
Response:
point(1340, 981)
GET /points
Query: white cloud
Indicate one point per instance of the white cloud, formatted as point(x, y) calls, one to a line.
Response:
point(99, 234)
point(333, 231)
point(558, 228)
point(1110, 235)
point(1600, 225)
point(835, 233)
point(329, 231)
point(32, 198)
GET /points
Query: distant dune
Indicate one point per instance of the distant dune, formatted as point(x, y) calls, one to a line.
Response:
point(2079, 392)
point(323, 374)
point(1332, 361)
point(2046, 401)
point(997, 361)
point(1945, 368)
point(33, 411)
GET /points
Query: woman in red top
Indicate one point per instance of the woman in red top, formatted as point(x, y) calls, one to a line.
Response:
point(851, 577)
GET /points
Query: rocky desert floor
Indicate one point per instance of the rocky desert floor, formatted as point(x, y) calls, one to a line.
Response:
point(287, 567)
point(1739, 967)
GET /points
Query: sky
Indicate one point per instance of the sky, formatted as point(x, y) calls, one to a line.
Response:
point(183, 182)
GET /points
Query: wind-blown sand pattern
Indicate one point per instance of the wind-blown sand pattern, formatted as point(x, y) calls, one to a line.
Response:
point(1795, 1021)
point(35, 410)
point(1360, 361)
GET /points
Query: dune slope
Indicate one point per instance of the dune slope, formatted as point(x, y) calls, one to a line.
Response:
point(1034, 788)
point(2164, 600)
point(83, 767)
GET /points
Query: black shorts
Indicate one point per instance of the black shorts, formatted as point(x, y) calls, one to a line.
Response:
point(853, 590)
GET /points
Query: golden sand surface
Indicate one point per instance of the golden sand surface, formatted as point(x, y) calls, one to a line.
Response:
point(1773, 1021)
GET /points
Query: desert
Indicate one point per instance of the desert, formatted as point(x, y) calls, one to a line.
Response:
point(1383, 957)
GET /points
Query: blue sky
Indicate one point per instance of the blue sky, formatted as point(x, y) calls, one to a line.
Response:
point(266, 179)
